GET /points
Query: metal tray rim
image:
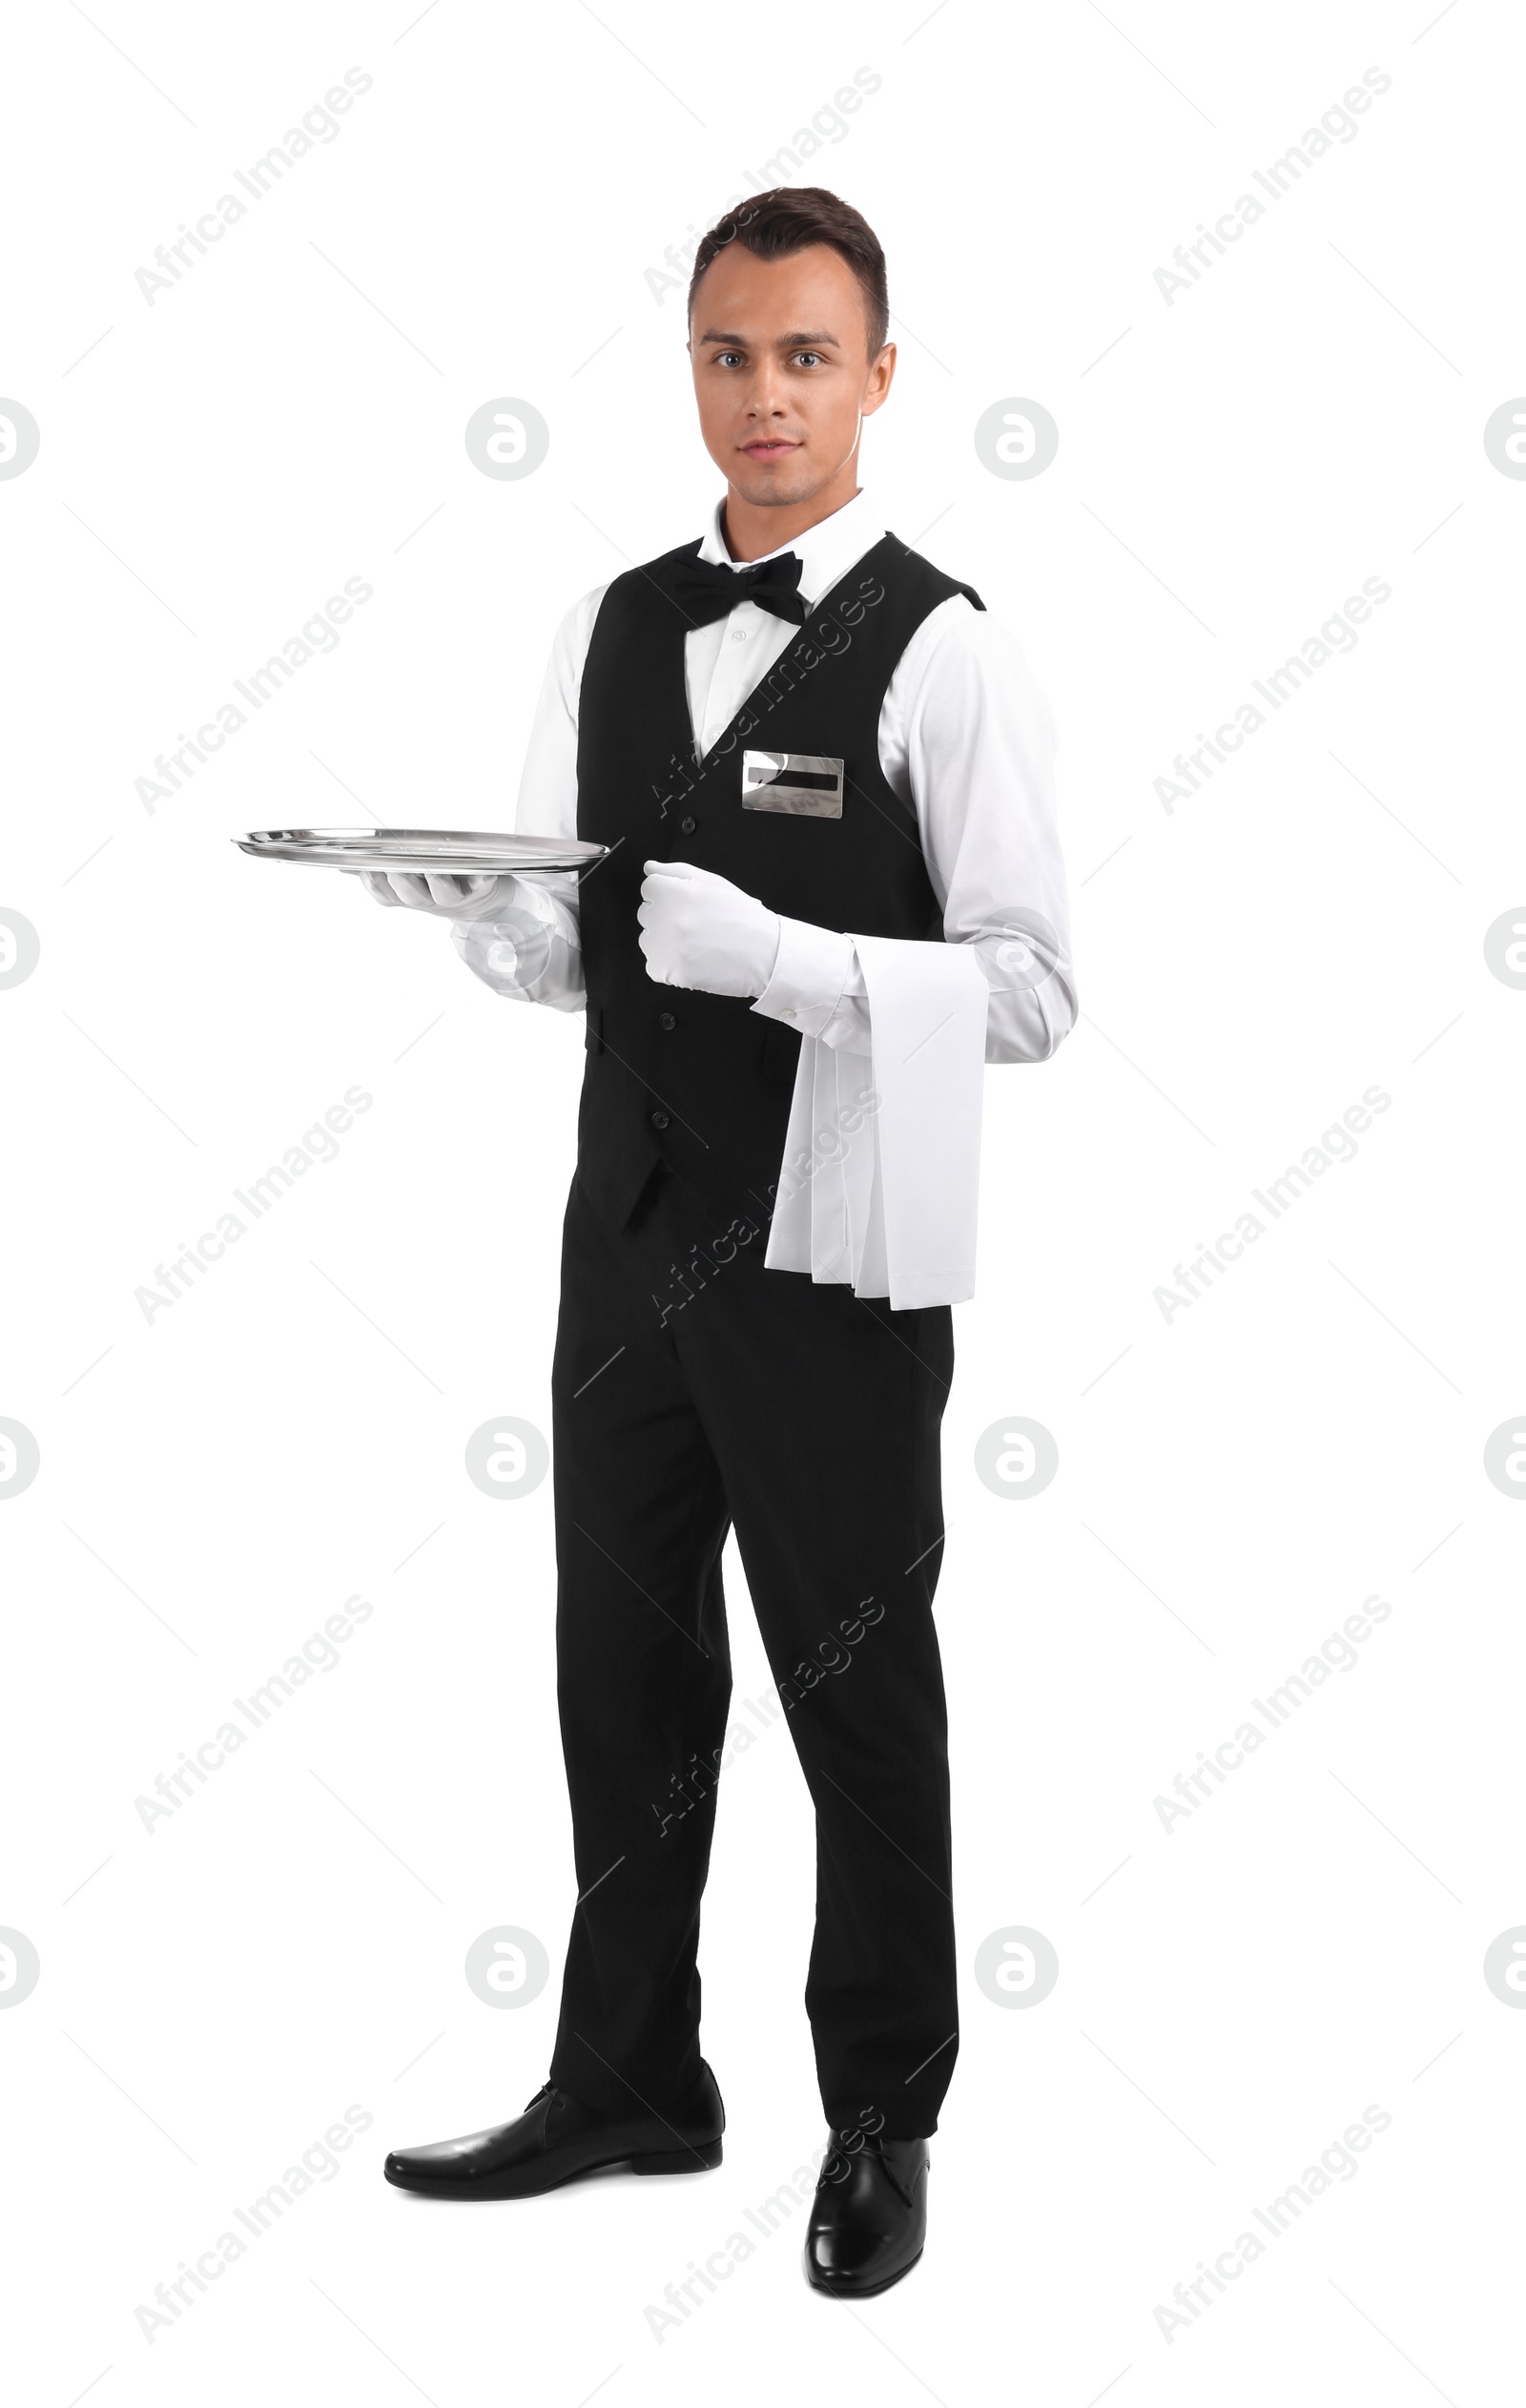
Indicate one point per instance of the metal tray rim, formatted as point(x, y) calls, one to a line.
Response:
point(465, 852)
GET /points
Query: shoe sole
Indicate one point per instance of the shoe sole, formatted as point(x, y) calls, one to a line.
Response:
point(864, 2291)
point(667, 2161)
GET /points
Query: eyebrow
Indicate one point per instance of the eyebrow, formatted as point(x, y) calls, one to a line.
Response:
point(816, 335)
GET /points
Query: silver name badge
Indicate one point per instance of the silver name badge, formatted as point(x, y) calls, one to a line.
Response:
point(810, 783)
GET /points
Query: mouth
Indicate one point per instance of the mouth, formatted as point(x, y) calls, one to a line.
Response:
point(769, 447)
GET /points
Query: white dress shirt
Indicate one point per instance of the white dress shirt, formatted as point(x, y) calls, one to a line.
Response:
point(881, 1172)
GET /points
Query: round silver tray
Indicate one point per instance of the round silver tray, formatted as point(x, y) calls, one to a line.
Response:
point(420, 849)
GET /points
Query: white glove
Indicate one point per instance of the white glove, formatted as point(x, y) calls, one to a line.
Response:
point(446, 895)
point(699, 931)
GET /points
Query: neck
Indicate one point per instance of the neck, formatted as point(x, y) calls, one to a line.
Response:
point(750, 530)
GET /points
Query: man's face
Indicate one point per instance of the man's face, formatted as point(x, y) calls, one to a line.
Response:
point(781, 371)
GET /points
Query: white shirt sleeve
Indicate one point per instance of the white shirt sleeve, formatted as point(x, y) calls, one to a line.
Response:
point(532, 953)
point(880, 1178)
point(966, 739)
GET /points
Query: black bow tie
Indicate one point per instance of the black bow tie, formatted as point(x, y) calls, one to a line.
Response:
point(706, 590)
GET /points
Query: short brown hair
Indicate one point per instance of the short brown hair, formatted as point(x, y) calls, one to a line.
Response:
point(791, 217)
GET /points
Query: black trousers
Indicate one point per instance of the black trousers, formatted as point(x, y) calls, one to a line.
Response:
point(694, 1390)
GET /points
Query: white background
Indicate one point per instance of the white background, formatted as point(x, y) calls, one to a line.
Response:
point(1232, 1484)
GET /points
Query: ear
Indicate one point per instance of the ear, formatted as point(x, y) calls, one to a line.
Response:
point(880, 375)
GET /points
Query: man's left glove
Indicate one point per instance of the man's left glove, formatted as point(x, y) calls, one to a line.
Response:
point(699, 931)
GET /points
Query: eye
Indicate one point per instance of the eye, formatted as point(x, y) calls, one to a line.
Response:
point(817, 356)
point(721, 357)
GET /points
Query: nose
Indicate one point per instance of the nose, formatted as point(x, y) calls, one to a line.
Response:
point(766, 396)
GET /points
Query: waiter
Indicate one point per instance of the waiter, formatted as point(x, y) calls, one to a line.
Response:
point(833, 890)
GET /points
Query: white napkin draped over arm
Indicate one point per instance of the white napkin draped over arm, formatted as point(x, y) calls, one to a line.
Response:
point(879, 1184)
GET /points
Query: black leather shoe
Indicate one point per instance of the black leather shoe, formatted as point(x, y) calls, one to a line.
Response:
point(869, 2220)
point(556, 2139)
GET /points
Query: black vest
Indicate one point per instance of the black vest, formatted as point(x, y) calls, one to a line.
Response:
point(703, 1082)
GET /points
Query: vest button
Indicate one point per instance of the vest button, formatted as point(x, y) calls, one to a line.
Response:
point(687, 826)
point(666, 1020)
point(659, 1120)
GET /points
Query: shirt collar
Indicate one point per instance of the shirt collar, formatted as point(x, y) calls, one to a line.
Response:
point(827, 550)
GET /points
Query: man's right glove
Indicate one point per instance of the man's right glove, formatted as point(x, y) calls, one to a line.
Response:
point(446, 895)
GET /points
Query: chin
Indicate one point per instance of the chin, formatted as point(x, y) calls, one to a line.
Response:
point(789, 480)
